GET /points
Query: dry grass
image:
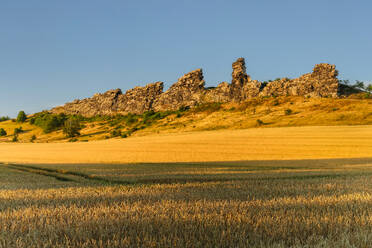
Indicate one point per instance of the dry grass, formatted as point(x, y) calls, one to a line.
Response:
point(320, 203)
point(221, 145)
point(271, 111)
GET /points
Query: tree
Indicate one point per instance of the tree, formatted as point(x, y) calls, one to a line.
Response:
point(21, 116)
point(2, 132)
point(359, 84)
point(369, 88)
point(72, 127)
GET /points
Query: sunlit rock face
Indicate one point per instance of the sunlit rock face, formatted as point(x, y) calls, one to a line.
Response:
point(190, 91)
point(187, 91)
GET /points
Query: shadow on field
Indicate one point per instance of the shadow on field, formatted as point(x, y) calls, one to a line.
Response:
point(303, 163)
point(198, 172)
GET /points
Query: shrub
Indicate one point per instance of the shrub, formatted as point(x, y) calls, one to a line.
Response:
point(115, 133)
point(208, 107)
point(21, 116)
point(15, 138)
point(369, 88)
point(275, 102)
point(3, 132)
point(33, 138)
point(131, 119)
point(18, 130)
point(259, 122)
point(288, 111)
point(4, 118)
point(72, 127)
point(48, 122)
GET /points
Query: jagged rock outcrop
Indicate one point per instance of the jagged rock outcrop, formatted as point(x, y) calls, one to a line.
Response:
point(189, 91)
point(140, 99)
point(99, 104)
point(322, 82)
point(240, 80)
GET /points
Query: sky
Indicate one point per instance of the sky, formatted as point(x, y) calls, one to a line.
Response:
point(52, 51)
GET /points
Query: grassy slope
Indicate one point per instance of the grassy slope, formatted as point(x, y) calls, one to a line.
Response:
point(271, 111)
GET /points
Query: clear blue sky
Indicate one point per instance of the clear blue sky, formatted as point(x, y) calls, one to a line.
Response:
point(55, 51)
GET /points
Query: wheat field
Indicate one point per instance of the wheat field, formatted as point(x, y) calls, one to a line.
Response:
point(262, 187)
point(289, 203)
point(221, 145)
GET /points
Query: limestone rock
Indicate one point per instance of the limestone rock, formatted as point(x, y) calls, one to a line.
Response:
point(189, 91)
point(140, 99)
point(240, 80)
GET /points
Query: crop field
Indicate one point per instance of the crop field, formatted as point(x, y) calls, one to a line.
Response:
point(219, 145)
point(271, 187)
point(271, 203)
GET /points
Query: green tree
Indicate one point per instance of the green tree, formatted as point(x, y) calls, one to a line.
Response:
point(72, 127)
point(2, 132)
point(21, 116)
point(359, 85)
point(369, 88)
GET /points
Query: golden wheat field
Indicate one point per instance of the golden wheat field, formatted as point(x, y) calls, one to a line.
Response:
point(220, 145)
point(288, 203)
point(261, 187)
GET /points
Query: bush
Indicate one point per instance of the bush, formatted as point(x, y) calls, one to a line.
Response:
point(288, 111)
point(115, 133)
point(18, 130)
point(33, 138)
point(208, 107)
point(259, 122)
point(15, 138)
point(4, 118)
point(131, 119)
point(48, 122)
point(3, 132)
point(72, 127)
point(21, 116)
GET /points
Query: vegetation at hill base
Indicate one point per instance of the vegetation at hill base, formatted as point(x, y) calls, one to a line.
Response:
point(257, 112)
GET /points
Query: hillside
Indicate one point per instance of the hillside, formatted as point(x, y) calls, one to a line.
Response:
point(253, 113)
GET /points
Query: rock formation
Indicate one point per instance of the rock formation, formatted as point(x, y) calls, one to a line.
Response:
point(189, 91)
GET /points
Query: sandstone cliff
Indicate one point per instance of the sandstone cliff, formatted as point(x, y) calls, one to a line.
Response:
point(189, 91)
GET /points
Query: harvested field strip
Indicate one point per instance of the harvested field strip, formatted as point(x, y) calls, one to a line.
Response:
point(39, 172)
point(62, 175)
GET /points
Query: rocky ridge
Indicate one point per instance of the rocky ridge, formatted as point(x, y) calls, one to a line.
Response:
point(190, 90)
